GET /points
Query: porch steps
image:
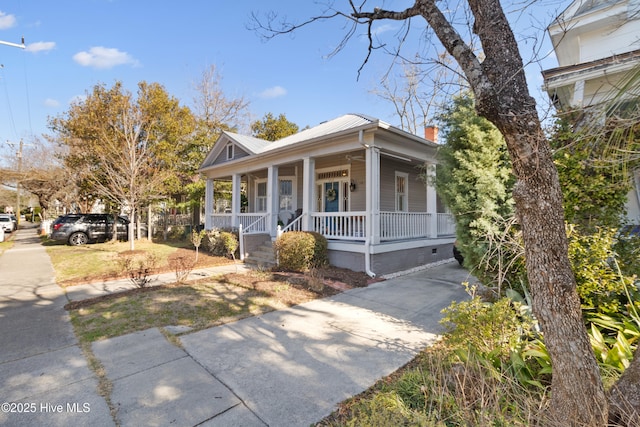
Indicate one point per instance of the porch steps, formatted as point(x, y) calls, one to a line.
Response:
point(263, 258)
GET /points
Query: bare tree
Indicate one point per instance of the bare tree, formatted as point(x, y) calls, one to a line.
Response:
point(41, 173)
point(498, 82)
point(125, 150)
point(215, 110)
point(419, 91)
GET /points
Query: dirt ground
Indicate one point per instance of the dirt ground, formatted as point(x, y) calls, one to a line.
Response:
point(298, 287)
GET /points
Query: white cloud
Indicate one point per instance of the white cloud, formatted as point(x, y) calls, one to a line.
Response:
point(379, 29)
point(103, 57)
point(51, 103)
point(6, 21)
point(40, 46)
point(273, 92)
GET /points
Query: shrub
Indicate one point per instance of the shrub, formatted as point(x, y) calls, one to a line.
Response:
point(494, 329)
point(446, 388)
point(222, 242)
point(177, 232)
point(138, 266)
point(182, 265)
point(627, 249)
point(601, 287)
point(301, 250)
point(230, 243)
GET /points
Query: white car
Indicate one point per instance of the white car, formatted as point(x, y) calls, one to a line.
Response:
point(6, 223)
point(12, 218)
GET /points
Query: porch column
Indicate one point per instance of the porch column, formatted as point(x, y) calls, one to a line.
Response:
point(272, 200)
point(432, 202)
point(372, 160)
point(578, 94)
point(308, 191)
point(208, 204)
point(235, 199)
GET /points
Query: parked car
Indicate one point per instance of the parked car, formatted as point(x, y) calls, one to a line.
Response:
point(6, 224)
point(80, 229)
point(12, 219)
point(456, 253)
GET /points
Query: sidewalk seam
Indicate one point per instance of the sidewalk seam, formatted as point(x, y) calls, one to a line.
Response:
point(228, 388)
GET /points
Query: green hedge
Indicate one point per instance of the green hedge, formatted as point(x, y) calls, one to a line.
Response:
point(301, 250)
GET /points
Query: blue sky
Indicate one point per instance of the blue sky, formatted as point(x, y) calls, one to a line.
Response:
point(73, 45)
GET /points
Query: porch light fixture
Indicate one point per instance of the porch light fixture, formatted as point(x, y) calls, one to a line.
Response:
point(352, 186)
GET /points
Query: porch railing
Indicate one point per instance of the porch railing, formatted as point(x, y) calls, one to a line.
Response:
point(351, 225)
point(340, 225)
point(253, 222)
point(446, 225)
point(404, 225)
point(295, 225)
point(257, 223)
point(221, 220)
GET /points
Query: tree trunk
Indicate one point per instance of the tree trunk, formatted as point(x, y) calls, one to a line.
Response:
point(624, 397)
point(502, 96)
point(577, 394)
point(131, 229)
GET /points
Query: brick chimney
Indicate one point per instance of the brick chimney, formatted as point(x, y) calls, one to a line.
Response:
point(431, 133)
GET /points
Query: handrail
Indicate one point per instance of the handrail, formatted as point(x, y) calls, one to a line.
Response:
point(253, 227)
point(295, 225)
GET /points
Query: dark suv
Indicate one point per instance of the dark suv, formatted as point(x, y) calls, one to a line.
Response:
point(80, 229)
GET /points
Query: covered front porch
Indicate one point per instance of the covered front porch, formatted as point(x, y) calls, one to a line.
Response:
point(363, 184)
point(366, 203)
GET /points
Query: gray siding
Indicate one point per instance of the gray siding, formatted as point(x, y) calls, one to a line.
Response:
point(417, 188)
point(238, 153)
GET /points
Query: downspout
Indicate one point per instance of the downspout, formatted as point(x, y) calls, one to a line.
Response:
point(369, 231)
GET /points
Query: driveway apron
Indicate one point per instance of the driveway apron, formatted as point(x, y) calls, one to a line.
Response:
point(292, 367)
point(44, 376)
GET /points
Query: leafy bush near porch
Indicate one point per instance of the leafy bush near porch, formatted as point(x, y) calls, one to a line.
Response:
point(301, 250)
point(222, 243)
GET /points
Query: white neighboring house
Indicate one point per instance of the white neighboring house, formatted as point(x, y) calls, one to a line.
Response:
point(354, 179)
point(597, 44)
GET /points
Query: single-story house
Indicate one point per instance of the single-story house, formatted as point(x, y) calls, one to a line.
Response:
point(357, 180)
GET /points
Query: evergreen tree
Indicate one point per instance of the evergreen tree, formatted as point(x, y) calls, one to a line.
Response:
point(474, 180)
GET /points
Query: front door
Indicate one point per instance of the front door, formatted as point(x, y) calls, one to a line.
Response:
point(331, 196)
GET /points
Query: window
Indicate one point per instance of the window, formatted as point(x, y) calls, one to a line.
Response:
point(402, 204)
point(286, 195)
point(261, 196)
point(229, 147)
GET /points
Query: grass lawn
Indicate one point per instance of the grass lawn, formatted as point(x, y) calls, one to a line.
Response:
point(198, 305)
point(82, 264)
point(7, 244)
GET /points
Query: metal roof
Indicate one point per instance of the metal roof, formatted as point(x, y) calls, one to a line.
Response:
point(253, 145)
point(348, 121)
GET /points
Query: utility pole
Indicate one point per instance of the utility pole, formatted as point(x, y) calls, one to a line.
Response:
point(18, 183)
point(21, 46)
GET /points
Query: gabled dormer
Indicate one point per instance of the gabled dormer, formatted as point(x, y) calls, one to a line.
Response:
point(231, 146)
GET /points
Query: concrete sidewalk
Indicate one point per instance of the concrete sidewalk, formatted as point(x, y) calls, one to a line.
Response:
point(44, 376)
point(285, 368)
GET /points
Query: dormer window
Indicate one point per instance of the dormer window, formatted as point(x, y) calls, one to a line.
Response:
point(229, 151)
